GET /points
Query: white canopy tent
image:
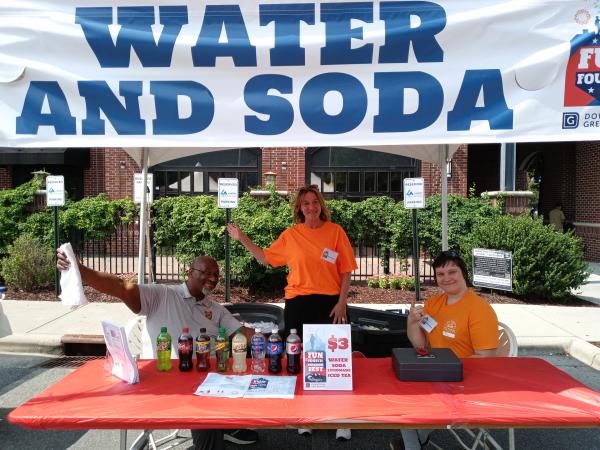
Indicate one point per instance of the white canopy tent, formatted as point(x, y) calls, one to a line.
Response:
point(148, 157)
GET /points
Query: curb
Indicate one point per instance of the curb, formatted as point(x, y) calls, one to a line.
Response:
point(585, 352)
point(32, 343)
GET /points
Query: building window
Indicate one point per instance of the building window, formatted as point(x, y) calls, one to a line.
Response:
point(199, 174)
point(355, 174)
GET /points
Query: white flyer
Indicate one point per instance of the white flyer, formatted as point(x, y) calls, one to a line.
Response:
point(221, 385)
point(122, 363)
point(327, 357)
point(265, 386)
point(247, 386)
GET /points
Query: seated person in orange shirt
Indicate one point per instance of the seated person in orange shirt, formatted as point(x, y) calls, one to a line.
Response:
point(462, 321)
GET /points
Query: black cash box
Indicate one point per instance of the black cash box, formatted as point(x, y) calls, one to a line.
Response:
point(440, 365)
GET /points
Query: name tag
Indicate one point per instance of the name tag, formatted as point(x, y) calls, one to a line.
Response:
point(428, 323)
point(329, 255)
point(449, 334)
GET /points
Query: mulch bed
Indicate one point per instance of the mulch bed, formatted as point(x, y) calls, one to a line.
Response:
point(357, 294)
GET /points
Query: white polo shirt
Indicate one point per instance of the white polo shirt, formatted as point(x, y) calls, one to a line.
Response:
point(174, 307)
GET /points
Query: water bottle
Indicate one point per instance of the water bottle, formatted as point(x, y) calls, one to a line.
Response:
point(203, 351)
point(185, 350)
point(239, 350)
point(222, 351)
point(275, 349)
point(163, 350)
point(293, 350)
point(257, 346)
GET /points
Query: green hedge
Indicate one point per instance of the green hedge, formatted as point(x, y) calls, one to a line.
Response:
point(546, 264)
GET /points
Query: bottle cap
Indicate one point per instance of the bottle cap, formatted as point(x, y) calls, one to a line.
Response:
point(293, 331)
point(222, 330)
point(185, 330)
point(202, 330)
point(163, 329)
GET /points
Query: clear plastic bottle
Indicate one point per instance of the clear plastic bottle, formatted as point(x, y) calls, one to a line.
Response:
point(222, 351)
point(258, 347)
point(293, 351)
point(163, 350)
point(239, 351)
point(275, 350)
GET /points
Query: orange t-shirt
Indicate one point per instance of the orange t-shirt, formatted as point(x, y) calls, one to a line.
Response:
point(465, 326)
point(301, 249)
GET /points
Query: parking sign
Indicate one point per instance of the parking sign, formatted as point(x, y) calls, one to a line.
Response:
point(228, 192)
point(55, 190)
point(414, 193)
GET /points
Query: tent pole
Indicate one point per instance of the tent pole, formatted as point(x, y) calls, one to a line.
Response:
point(142, 233)
point(444, 182)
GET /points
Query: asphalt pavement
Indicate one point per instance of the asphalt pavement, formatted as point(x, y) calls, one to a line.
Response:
point(31, 332)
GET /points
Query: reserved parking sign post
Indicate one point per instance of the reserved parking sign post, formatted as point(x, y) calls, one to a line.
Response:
point(414, 198)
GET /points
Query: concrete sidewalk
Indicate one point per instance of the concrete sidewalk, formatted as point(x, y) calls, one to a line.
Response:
point(37, 327)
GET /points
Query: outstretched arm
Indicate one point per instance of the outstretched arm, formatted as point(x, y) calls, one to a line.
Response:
point(237, 234)
point(107, 283)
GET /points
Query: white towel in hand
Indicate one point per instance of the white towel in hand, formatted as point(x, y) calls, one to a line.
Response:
point(70, 281)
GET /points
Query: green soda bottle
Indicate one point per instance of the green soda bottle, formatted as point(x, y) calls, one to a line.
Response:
point(163, 350)
point(222, 351)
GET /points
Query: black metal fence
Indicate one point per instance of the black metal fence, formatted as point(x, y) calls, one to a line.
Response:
point(118, 254)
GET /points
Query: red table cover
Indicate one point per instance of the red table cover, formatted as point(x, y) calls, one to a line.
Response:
point(495, 392)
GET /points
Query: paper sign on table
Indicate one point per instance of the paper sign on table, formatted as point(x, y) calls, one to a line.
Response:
point(327, 357)
point(122, 363)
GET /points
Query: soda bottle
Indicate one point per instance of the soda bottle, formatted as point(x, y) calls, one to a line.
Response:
point(293, 350)
point(163, 350)
point(257, 347)
point(185, 348)
point(239, 349)
point(203, 351)
point(222, 351)
point(275, 349)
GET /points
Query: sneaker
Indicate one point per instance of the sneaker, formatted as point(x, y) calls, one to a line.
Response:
point(304, 431)
point(343, 434)
point(241, 436)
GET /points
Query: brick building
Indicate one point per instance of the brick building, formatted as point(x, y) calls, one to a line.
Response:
point(568, 173)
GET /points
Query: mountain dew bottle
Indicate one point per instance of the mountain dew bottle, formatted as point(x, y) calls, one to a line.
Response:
point(163, 350)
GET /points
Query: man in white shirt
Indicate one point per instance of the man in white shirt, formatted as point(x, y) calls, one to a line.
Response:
point(176, 307)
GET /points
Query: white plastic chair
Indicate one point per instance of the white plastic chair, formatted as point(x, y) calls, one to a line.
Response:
point(507, 346)
point(134, 330)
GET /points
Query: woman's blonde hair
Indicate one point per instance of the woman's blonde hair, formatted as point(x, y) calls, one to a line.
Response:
point(298, 215)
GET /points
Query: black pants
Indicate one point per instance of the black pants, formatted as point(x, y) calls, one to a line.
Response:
point(208, 439)
point(314, 308)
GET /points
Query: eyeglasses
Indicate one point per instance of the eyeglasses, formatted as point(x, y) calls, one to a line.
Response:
point(451, 253)
point(205, 272)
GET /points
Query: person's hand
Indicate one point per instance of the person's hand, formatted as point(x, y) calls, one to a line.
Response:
point(339, 313)
point(62, 262)
point(234, 231)
point(416, 312)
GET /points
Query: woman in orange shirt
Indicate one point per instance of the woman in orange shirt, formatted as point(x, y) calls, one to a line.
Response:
point(457, 319)
point(320, 260)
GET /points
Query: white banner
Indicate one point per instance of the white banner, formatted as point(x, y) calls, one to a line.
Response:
point(225, 73)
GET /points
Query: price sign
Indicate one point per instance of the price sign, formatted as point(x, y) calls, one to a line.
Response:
point(327, 358)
